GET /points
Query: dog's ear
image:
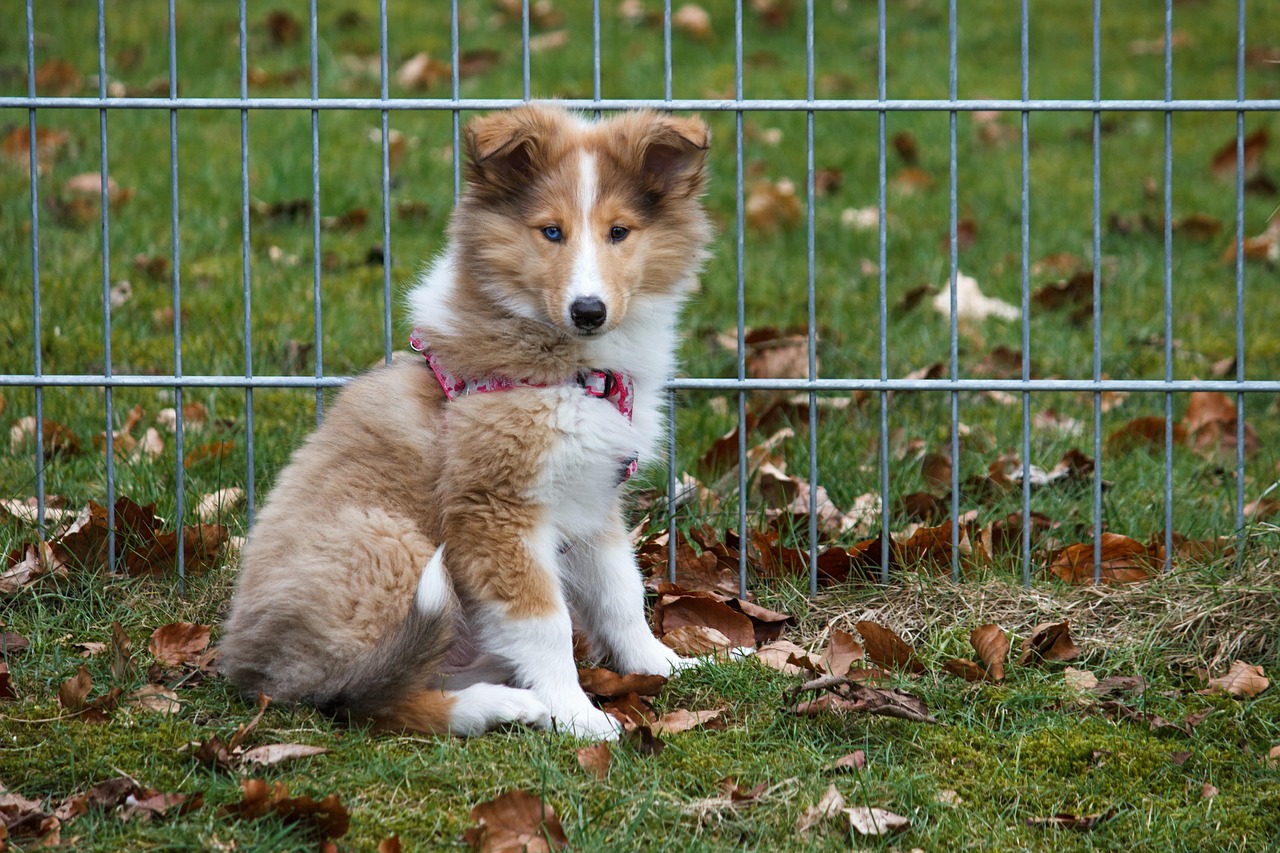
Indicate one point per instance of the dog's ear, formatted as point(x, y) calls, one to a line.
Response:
point(505, 148)
point(674, 157)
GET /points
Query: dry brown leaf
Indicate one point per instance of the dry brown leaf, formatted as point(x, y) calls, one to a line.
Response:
point(886, 648)
point(692, 20)
point(59, 440)
point(1064, 820)
point(515, 821)
point(696, 640)
point(869, 820)
point(1049, 641)
point(422, 71)
point(855, 760)
point(153, 697)
point(841, 653)
point(972, 304)
point(1243, 681)
point(964, 668)
point(595, 759)
point(785, 656)
point(1124, 560)
point(1079, 679)
point(773, 205)
point(830, 806)
point(7, 691)
point(275, 753)
point(845, 694)
point(328, 818)
point(992, 646)
point(607, 684)
point(682, 720)
point(179, 642)
point(1255, 146)
point(16, 147)
point(675, 610)
point(217, 505)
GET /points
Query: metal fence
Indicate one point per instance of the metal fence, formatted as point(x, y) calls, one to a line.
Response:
point(881, 384)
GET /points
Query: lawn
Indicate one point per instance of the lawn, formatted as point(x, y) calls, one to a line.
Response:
point(1035, 745)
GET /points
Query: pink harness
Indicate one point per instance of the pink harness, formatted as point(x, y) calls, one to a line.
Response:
point(610, 385)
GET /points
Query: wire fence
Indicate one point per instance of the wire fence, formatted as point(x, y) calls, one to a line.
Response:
point(881, 384)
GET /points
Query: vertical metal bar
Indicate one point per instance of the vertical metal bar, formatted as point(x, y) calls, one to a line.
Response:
point(1168, 286)
point(524, 41)
point(666, 49)
point(105, 199)
point(955, 334)
point(813, 307)
point(1240, 32)
point(386, 182)
point(457, 114)
point(595, 52)
point(1025, 52)
point(742, 304)
point(245, 255)
point(672, 528)
point(1097, 291)
point(179, 473)
point(315, 216)
point(882, 240)
point(37, 358)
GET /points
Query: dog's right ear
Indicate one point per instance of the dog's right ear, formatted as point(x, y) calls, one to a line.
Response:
point(503, 149)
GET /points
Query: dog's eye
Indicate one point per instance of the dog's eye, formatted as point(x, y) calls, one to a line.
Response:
point(618, 233)
point(553, 233)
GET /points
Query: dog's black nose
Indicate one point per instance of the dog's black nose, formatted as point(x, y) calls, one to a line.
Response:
point(588, 312)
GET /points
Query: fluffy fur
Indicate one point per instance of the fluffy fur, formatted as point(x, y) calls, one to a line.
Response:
point(422, 563)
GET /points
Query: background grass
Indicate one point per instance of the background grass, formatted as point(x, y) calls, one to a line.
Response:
point(1007, 753)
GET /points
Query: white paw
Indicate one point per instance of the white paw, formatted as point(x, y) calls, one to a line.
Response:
point(588, 724)
point(481, 707)
point(655, 659)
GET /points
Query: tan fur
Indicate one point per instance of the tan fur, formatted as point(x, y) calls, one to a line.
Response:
point(331, 567)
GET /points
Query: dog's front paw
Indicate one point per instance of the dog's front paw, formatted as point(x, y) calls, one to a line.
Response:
point(588, 724)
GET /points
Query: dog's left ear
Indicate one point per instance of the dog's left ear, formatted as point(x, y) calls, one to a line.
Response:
point(675, 154)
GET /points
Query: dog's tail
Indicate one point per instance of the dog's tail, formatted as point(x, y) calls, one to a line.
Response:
point(387, 684)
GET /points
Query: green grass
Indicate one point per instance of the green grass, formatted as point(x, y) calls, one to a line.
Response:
point(1008, 751)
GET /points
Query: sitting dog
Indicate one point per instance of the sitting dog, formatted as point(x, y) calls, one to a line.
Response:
point(422, 562)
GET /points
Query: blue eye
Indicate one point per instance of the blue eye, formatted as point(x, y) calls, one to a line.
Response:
point(553, 233)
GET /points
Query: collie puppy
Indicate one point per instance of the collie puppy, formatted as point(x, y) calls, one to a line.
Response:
point(424, 559)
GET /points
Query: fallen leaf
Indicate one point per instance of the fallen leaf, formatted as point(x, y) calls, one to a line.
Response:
point(1208, 791)
point(327, 818)
point(607, 684)
point(1224, 159)
point(543, 42)
point(1071, 821)
point(830, 806)
point(154, 697)
point(972, 303)
point(283, 27)
point(696, 640)
point(855, 760)
point(58, 440)
point(848, 695)
point(275, 753)
point(964, 668)
point(1079, 679)
point(773, 205)
point(1243, 681)
point(1124, 560)
point(673, 610)
point(515, 821)
point(179, 642)
point(49, 145)
point(1074, 293)
point(215, 506)
point(992, 646)
point(869, 820)
point(887, 649)
point(692, 20)
point(595, 759)
point(7, 691)
point(841, 653)
point(786, 656)
point(682, 720)
point(1049, 641)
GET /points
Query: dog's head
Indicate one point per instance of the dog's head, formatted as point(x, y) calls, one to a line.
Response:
point(567, 221)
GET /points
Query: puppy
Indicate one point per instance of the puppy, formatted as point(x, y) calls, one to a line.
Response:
point(423, 560)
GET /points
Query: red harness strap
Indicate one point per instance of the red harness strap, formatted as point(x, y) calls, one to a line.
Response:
point(610, 385)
